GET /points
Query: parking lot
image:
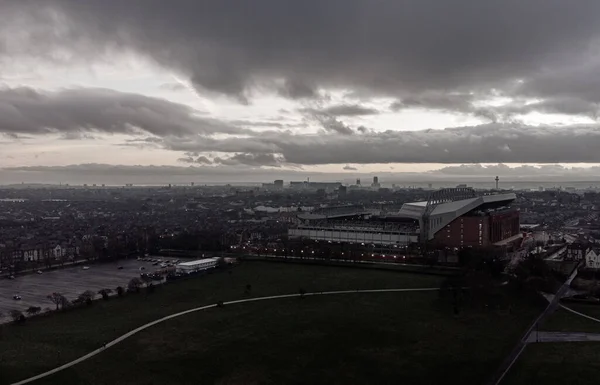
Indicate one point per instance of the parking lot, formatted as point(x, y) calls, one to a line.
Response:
point(70, 282)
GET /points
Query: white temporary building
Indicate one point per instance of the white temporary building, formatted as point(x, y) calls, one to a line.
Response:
point(197, 265)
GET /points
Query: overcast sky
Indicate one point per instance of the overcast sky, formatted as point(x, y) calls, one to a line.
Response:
point(256, 90)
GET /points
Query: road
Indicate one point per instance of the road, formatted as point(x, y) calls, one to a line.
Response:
point(518, 349)
point(150, 324)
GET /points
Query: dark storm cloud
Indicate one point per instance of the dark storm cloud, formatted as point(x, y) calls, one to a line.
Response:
point(257, 160)
point(510, 143)
point(195, 159)
point(479, 144)
point(334, 125)
point(27, 111)
point(447, 102)
point(294, 89)
point(384, 47)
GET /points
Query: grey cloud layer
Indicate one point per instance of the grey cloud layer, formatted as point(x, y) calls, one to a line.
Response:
point(176, 127)
point(478, 144)
point(387, 46)
point(27, 111)
point(426, 53)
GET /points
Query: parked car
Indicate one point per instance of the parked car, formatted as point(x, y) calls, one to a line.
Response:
point(86, 268)
point(17, 297)
point(40, 272)
point(11, 277)
point(142, 268)
point(120, 268)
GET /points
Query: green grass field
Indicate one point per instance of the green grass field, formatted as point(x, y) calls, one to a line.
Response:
point(565, 321)
point(563, 362)
point(557, 364)
point(341, 339)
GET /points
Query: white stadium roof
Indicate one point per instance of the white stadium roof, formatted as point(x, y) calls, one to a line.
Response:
point(442, 214)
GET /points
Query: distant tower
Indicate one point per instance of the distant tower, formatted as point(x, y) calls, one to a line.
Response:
point(497, 179)
point(192, 184)
point(375, 182)
point(358, 182)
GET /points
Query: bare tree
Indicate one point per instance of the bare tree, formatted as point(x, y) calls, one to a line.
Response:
point(58, 299)
point(105, 293)
point(87, 297)
point(135, 284)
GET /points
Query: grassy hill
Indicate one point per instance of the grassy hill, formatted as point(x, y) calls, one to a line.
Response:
point(379, 338)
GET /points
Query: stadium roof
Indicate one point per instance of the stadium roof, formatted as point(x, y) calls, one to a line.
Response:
point(441, 214)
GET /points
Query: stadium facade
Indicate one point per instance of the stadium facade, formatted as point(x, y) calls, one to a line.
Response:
point(457, 217)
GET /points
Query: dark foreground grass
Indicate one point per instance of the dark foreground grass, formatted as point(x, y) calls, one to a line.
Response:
point(386, 338)
point(557, 364)
point(357, 338)
point(566, 321)
point(561, 362)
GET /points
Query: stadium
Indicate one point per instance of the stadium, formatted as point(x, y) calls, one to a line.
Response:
point(457, 217)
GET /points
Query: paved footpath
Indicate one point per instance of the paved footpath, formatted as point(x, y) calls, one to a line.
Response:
point(553, 304)
point(563, 337)
point(150, 324)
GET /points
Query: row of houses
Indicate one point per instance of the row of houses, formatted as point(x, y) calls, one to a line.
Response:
point(587, 252)
point(36, 253)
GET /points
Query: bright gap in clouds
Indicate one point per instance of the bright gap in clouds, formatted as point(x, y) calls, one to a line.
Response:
point(536, 118)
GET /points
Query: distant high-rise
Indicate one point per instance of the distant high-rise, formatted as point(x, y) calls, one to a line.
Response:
point(497, 179)
point(278, 183)
point(375, 182)
point(358, 182)
point(192, 184)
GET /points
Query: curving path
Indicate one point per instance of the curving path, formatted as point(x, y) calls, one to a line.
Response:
point(579, 314)
point(150, 324)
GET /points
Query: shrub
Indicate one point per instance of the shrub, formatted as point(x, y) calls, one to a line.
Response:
point(17, 316)
point(33, 310)
point(105, 293)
